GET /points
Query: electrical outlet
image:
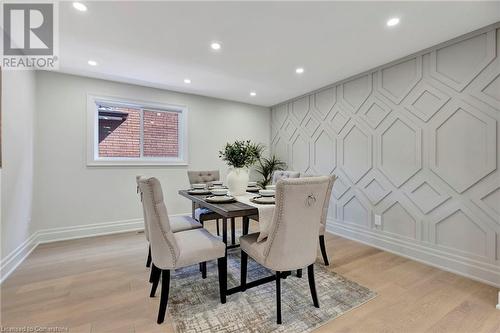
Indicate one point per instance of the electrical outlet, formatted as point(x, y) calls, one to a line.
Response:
point(378, 220)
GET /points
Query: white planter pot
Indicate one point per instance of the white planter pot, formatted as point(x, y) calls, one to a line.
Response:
point(237, 181)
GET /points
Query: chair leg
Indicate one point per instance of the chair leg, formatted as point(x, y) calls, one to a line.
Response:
point(312, 284)
point(165, 286)
point(278, 298)
point(222, 265)
point(323, 249)
point(244, 265)
point(218, 231)
point(155, 277)
point(148, 261)
point(204, 270)
point(299, 273)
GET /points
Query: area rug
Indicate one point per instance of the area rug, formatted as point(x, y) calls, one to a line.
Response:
point(194, 303)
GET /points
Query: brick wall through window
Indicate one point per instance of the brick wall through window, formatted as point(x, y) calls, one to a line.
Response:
point(120, 133)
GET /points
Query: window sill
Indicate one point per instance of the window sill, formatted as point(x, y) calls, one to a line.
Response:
point(135, 163)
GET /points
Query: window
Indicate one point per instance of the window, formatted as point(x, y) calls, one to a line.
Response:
point(132, 133)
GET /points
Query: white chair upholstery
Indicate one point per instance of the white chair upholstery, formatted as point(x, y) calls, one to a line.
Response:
point(177, 223)
point(322, 226)
point(204, 177)
point(284, 174)
point(175, 250)
point(294, 231)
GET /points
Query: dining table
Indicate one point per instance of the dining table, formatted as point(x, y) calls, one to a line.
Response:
point(228, 211)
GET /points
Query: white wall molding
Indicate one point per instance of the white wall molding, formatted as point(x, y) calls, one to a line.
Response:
point(479, 271)
point(16, 257)
point(416, 143)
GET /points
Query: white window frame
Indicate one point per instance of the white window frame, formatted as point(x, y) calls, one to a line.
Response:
point(92, 153)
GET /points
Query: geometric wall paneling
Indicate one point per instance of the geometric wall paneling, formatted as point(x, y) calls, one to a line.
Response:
point(375, 188)
point(400, 150)
point(456, 65)
point(458, 229)
point(324, 101)
point(355, 92)
point(279, 114)
point(338, 119)
point(416, 141)
point(354, 211)
point(396, 81)
point(280, 149)
point(355, 152)
point(425, 100)
point(289, 128)
point(324, 152)
point(300, 153)
point(340, 186)
point(300, 108)
point(462, 145)
point(486, 87)
point(310, 125)
point(374, 111)
point(425, 194)
point(397, 220)
point(487, 197)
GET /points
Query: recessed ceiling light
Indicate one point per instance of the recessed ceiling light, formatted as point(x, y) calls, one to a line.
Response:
point(393, 21)
point(253, 93)
point(215, 46)
point(80, 6)
point(187, 81)
point(299, 70)
point(92, 62)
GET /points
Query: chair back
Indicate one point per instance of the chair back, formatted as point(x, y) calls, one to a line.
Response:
point(293, 235)
point(284, 174)
point(164, 249)
point(328, 195)
point(146, 231)
point(199, 177)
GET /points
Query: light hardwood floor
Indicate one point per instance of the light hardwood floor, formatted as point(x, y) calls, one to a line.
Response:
point(100, 285)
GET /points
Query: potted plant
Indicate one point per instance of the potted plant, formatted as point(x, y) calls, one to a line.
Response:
point(240, 155)
point(266, 168)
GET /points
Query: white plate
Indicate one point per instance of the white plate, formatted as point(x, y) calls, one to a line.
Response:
point(220, 199)
point(198, 191)
point(267, 193)
point(199, 186)
point(264, 200)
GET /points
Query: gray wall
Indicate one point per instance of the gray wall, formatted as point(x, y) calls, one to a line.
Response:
point(414, 141)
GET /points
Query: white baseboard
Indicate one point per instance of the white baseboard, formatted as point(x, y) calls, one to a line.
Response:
point(16, 257)
point(483, 272)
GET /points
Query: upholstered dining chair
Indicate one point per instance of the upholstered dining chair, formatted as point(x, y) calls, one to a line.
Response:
point(170, 251)
point(177, 223)
point(293, 235)
point(204, 177)
point(322, 226)
point(284, 174)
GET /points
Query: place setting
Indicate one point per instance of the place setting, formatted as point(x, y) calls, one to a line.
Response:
point(199, 189)
point(220, 195)
point(265, 196)
point(253, 187)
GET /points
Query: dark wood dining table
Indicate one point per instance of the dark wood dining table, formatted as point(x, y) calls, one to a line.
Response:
point(230, 211)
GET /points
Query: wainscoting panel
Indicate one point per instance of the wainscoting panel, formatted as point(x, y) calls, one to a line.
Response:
point(415, 141)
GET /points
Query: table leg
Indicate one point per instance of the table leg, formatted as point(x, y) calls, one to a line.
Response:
point(246, 225)
point(224, 230)
point(193, 207)
point(233, 231)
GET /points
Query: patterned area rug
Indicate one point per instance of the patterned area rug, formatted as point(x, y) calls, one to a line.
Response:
point(194, 303)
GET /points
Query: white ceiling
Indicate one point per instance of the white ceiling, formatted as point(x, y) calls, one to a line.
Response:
point(159, 44)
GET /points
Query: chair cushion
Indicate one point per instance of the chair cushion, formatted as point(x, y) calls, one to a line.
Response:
point(205, 214)
point(253, 248)
point(183, 223)
point(197, 245)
